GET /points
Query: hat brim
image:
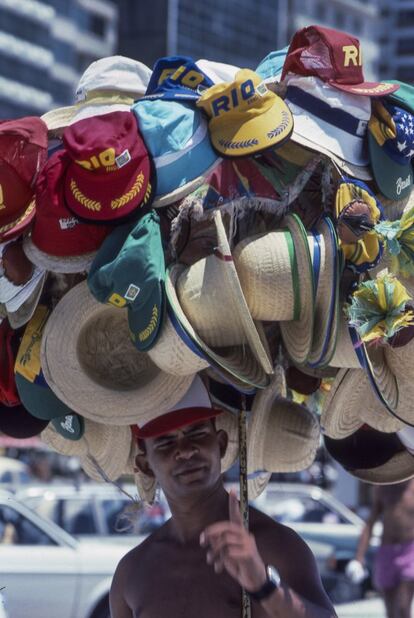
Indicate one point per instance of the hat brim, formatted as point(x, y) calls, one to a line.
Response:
point(247, 136)
point(92, 395)
point(327, 295)
point(393, 180)
point(145, 323)
point(398, 469)
point(39, 400)
point(17, 422)
point(62, 117)
point(57, 264)
point(181, 192)
point(23, 314)
point(297, 334)
point(368, 89)
point(19, 225)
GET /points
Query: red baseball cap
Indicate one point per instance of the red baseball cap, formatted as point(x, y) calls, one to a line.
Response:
point(56, 231)
point(8, 390)
point(333, 56)
point(109, 173)
point(23, 151)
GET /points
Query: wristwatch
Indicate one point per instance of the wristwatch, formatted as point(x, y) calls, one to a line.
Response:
point(272, 583)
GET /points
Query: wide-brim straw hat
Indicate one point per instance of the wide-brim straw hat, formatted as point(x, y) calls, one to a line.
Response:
point(57, 264)
point(397, 463)
point(326, 269)
point(91, 364)
point(283, 435)
point(171, 354)
point(227, 421)
point(400, 362)
point(212, 298)
point(103, 448)
point(351, 403)
point(275, 271)
point(345, 354)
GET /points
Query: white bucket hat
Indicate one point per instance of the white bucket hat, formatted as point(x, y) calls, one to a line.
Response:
point(108, 84)
point(330, 121)
point(103, 449)
point(218, 71)
point(91, 364)
point(283, 436)
point(351, 403)
point(275, 271)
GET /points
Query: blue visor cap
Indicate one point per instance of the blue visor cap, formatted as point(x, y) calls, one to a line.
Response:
point(177, 78)
point(176, 135)
point(271, 66)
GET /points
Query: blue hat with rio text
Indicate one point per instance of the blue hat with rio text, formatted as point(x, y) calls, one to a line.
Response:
point(177, 78)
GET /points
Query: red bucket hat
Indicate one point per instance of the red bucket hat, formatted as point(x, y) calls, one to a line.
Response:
point(334, 57)
point(59, 241)
point(109, 173)
point(23, 151)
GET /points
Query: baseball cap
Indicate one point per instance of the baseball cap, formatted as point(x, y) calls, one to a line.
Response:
point(8, 391)
point(333, 56)
point(244, 116)
point(403, 97)
point(23, 150)
point(194, 407)
point(391, 148)
point(270, 68)
point(177, 78)
point(129, 271)
point(108, 176)
point(59, 241)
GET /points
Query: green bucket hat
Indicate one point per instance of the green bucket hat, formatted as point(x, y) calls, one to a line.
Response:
point(129, 271)
point(34, 392)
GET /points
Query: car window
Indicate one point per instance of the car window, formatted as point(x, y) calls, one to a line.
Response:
point(115, 520)
point(45, 508)
point(297, 508)
point(78, 516)
point(16, 529)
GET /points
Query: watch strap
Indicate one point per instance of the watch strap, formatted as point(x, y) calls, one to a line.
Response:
point(271, 584)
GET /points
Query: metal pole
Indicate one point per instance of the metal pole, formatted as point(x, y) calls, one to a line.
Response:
point(244, 497)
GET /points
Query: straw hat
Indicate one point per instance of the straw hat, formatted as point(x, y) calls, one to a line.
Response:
point(227, 421)
point(171, 354)
point(90, 363)
point(351, 403)
point(211, 296)
point(399, 361)
point(373, 456)
point(102, 447)
point(345, 354)
point(275, 271)
point(282, 436)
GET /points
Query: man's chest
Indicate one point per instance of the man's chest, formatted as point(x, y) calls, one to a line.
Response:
point(188, 590)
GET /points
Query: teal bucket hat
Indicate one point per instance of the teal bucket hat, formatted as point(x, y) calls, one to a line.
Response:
point(129, 271)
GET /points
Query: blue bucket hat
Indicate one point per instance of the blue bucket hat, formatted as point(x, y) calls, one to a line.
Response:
point(176, 135)
point(177, 78)
point(270, 68)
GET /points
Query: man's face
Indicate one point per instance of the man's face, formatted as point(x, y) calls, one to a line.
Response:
point(187, 460)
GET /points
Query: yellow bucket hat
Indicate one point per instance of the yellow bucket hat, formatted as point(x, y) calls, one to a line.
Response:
point(245, 116)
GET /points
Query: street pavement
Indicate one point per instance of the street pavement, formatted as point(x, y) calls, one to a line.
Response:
point(371, 608)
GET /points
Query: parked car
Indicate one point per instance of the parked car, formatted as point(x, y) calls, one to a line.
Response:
point(13, 473)
point(44, 571)
point(318, 516)
point(95, 511)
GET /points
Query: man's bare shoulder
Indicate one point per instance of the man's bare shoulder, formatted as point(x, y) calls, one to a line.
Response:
point(148, 549)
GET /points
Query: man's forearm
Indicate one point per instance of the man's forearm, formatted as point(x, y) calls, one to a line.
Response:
point(285, 603)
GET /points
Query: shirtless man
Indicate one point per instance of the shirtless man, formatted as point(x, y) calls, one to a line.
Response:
point(195, 564)
point(394, 561)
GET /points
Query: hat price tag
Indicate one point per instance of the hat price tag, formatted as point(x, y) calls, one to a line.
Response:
point(123, 159)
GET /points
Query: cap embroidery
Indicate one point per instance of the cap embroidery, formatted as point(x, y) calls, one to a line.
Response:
point(147, 332)
point(82, 199)
point(127, 197)
point(2, 204)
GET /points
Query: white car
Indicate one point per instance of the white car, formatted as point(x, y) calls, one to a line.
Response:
point(45, 572)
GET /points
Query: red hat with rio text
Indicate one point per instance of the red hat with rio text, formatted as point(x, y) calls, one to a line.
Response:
point(333, 56)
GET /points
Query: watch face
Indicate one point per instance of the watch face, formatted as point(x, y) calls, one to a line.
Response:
point(273, 575)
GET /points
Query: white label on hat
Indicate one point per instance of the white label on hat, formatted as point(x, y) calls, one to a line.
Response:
point(402, 184)
point(132, 292)
point(123, 159)
point(261, 89)
point(362, 127)
point(68, 223)
point(67, 424)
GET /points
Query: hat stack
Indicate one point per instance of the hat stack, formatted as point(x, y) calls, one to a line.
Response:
point(175, 239)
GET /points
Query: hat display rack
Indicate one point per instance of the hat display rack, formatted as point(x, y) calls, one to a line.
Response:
point(199, 221)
